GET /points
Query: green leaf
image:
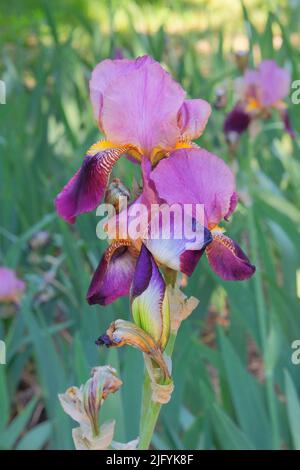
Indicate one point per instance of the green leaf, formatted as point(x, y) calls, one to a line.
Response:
point(293, 409)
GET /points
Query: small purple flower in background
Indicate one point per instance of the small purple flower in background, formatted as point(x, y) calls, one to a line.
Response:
point(259, 92)
point(11, 288)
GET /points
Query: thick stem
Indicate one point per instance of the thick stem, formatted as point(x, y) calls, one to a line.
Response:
point(150, 409)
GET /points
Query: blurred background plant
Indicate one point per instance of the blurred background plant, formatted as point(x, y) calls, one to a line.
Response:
point(226, 395)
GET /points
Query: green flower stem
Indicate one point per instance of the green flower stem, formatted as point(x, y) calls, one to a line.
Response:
point(150, 409)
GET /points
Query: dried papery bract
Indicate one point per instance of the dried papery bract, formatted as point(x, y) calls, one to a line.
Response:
point(83, 405)
point(181, 306)
point(121, 333)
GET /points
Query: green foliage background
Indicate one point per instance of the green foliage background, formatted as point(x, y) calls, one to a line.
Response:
point(224, 397)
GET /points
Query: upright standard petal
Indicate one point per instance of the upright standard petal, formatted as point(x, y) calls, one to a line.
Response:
point(113, 277)
point(86, 188)
point(228, 260)
point(149, 299)
point(142, 108)
point(105, 73)
point(195, 176)
point(274, 81)
point(265, 86)
point(192, 118)
point(11, 288)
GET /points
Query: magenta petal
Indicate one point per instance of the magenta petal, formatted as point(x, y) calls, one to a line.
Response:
point(233, 203)
point(192, 118)
point(113, 276)
point(86, 188)
point(195, 176)
point(228, 260)
point(105, 73)
point(141, 107)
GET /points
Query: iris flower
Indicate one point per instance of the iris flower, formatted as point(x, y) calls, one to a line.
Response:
point(144, 115)
point(259, 92)
point(142, 112)
point(11, 288)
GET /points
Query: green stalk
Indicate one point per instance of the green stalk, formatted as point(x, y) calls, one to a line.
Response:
point(150, 409)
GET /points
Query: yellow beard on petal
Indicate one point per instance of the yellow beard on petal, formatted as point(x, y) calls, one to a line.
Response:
point(215, 229)
point(108, 144)
point(253, 105)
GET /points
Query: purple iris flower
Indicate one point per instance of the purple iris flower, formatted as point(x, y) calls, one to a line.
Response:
point(142, 112)
point(259, 92)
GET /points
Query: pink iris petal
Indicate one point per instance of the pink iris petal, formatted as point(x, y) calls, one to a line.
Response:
point(192, 118)
point(113, 277)
point(86, 188)
point(11, 288)
point(105, 73)
point(287, 123)
point(195, 176)
point(271, 82)
point(141, 108)
point(149, 310)
point(228, 260)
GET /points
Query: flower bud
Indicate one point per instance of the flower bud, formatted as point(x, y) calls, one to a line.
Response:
point(149, 299)
point(220, 101)
point(117, 194)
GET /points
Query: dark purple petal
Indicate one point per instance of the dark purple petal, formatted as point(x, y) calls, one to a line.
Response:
point(113, 277)
point(86, 188)
point(228, 260)
point(237, 121)
point(287, 123)
point(189, 258)
point(143, 272)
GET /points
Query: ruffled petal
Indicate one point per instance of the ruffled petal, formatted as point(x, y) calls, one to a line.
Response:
point(265, 86)
point(105, 73)
point(228, 260)
point(113, 277)
point(192, 118)
point(149, 300)
point(86, 188)
point(195, 176)
point(141, 107)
